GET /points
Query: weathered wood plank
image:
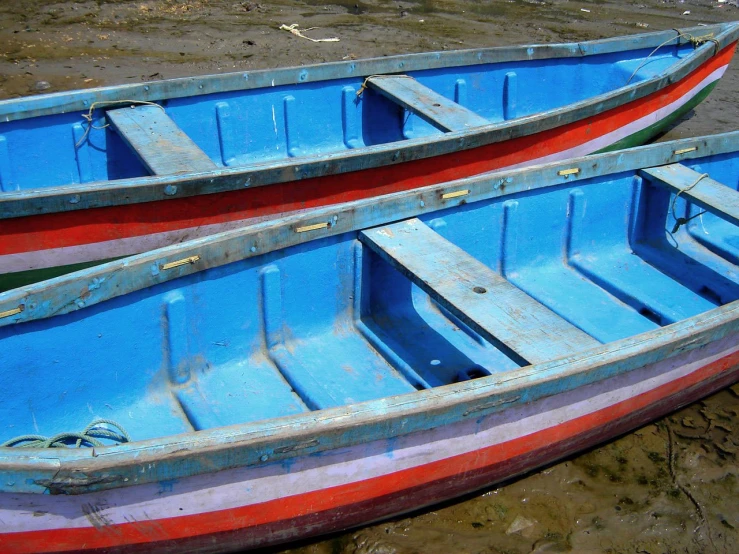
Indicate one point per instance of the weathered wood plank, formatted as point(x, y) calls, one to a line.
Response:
point(500, 312)
point(442, 113)
point(158, 141)
point(710, 195)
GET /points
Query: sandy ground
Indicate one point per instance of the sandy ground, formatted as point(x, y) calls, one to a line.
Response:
point(669, 487)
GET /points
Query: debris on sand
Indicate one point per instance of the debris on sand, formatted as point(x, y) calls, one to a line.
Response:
point(299, 33)
point(520, 525)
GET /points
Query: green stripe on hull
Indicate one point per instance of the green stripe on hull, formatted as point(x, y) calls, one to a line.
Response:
point(23, 278)
point(643, 136)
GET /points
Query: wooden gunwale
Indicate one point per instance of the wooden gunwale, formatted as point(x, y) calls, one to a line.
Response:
point(107, 282)
point(148, 189)
point(66, 471)
point(317, 510)
point(77, 472)
point(56, 239)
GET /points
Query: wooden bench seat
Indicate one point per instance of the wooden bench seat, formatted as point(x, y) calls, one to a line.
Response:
point(501, 313)
point(442, 113)
point(710, 195)
point(158, 142)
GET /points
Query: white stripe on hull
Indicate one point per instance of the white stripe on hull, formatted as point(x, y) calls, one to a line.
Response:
point(627, 130)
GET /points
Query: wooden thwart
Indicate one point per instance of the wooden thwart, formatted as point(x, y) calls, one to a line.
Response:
point(157, 140)
point(501, 313)
point(710, 195)
point(432, 107)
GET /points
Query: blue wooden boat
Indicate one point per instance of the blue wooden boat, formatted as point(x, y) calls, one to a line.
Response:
point(87, 176)
point(328, 369)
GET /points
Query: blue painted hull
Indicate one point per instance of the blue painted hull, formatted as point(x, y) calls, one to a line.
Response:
point(327, 369)
point(89, 176)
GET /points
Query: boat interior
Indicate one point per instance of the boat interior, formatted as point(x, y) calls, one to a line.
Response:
point(422, 301)
point(315, 117)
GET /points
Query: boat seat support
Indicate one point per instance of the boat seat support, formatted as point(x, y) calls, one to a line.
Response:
point(710, 195)
point(444, 114)
point(158, 142)
point(501, 313)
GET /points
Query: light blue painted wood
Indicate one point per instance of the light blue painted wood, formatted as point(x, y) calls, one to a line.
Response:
point(510, 95)
point(158, 142)
point(177, 338)
point(350, 117)
point(361, 307)
point(82, 152)
point(710, 195)
point(315, 309)
point(426, 103)
point(250, 390)
point(78, 471)
point(500, 312)
point(6, 168)
point(509, 239)
point(227, 136)
point(110, 280)
point(460, 92)
point(611, 264)
point(272, 305)
point(292, 131)
point(261, 154)
point(606, 319)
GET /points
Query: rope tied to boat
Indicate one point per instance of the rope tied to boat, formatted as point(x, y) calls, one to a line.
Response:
point(365, 83)
point(680, 221)
point(88, 116)
point(695, 41)
point(89, 436)
point(701, 40)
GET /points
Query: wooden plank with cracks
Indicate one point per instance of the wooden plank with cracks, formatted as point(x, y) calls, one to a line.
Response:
point(442, 113)
point(157, 140)
point(710, 195)
point(500, 312)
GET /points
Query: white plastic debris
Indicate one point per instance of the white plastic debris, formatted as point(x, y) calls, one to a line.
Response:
point(299, 33)
point(520, 525)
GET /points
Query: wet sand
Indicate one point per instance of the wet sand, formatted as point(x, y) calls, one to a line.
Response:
point(669, 487)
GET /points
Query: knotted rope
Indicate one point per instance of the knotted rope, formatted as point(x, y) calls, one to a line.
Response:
point(88, 116)
point(695, 41)
point(87, 437)
point(365, 83)
point(680, 221)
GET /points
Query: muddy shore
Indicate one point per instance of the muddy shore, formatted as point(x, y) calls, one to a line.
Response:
point(669, 487)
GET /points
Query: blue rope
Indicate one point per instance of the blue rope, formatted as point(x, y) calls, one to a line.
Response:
point(88, 437)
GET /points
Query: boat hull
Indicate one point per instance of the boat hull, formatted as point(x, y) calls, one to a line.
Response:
point(331, 369)
point(54, 241)
point(311, 495)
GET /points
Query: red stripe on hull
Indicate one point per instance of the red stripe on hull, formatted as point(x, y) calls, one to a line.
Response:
point(353, 504)
point(41, 232)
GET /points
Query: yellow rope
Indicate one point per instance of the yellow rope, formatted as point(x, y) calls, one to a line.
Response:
point(88, 116)
point(695, 41)
point(366, 81)
point(680, 221)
